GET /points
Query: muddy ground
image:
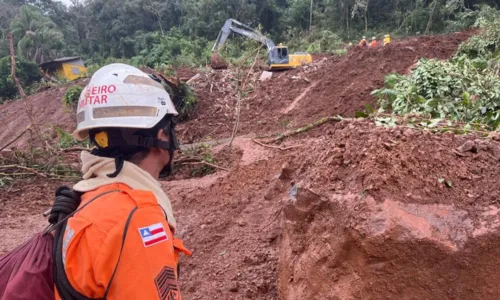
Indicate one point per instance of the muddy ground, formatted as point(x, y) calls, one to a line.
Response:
point(349, 211)
point(330, 86)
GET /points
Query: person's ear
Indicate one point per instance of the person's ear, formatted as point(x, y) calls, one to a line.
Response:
point(162, 135)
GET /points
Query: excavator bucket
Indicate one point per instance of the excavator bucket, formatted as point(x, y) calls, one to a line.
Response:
point(217, 62)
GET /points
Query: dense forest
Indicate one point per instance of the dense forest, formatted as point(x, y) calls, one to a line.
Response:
point(164, 33)
point(155, 32)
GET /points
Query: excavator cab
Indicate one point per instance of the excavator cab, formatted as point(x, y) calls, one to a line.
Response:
point(279, 59)
point(282, 52)
point(278, 55)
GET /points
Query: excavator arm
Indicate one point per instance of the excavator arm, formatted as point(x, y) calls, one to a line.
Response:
point(232, 25)
point(275, 56)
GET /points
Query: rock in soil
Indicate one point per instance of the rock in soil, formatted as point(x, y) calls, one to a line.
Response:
point(468, 146)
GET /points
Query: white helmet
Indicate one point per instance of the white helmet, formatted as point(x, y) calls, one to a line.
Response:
point(122, 96)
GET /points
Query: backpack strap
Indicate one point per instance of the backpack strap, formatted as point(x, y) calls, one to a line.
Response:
point(121, 250)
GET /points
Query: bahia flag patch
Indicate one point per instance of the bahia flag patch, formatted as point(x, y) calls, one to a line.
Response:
point(153, 234)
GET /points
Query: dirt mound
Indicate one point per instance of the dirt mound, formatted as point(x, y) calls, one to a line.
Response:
point(21, 207)
point(48, 112)
point(227, 220)
point(369, 219)
point(349, 247)
point(368, 206)
point(376, 213)
point(343, 87)
point(402, 164)
point(329, 86)
point(353, 211)
point(214, 107)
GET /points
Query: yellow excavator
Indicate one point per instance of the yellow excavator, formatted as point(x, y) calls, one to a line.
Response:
point(278, 57)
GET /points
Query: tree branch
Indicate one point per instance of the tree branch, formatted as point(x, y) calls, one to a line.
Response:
point(304, 129)
point(241, 86)
point(18, 137)
point(76, 149)
point(276, 147)
point(13, 65)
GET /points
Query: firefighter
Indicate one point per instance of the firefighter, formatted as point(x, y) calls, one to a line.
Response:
point(387, 39)
point(374, 42)
point(122, 245)
point(363, 42)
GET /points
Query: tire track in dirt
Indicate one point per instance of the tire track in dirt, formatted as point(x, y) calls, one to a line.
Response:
point(298, 98)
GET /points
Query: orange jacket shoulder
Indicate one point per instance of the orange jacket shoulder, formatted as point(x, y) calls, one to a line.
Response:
point(94, 237)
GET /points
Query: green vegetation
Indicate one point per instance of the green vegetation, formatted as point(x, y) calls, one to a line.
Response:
point(66, 139)
point(172, 49)
point(201, 153)
point(184, 101)
point(465, 89)
point(318, 41)
point(38, 38)
point(485, 46)
point(27, 72)
point(160, 34)
point(70, 98)
point(157, 33)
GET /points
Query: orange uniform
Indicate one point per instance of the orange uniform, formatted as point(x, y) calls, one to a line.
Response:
point(374, 43)
point(147, 265)
point(363, 43)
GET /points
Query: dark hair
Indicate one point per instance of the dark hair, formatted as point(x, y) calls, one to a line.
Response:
point(139, 156)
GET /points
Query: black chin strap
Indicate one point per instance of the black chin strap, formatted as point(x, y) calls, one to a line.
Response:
point(149, 142)
point(174, 145)
point(119, 159)
point(122, 149)
point(119, 162)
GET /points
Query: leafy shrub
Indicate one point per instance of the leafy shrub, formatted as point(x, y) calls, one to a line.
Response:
point(72, 95)
point(27, 72)
point(92, 68)
point(461, 21)
point(457, 90)
point(318, 41)
point(487, 43)
point(184, 101)
point(202, 152)
point(466, 88)
point(66, 139)
point(173, 49)
point(482, 45)
point(241, 51)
